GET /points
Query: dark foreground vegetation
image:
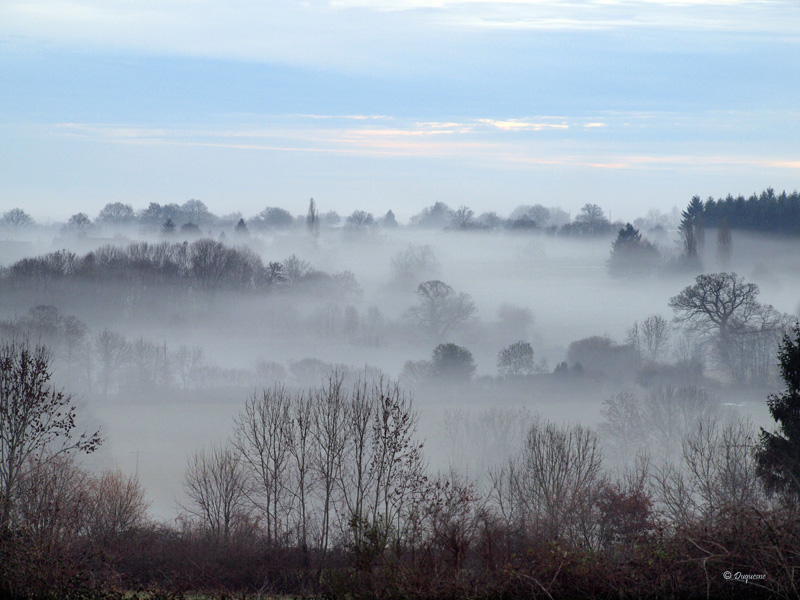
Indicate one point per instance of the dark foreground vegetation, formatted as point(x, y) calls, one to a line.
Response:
point(325, 492)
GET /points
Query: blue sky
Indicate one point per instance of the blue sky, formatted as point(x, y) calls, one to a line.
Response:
point(378, 104)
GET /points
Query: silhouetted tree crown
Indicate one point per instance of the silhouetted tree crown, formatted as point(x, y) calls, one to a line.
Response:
point(452, 362)
point(275, 217)
point(168, 227)
point(16, 217)
point(360, 218)
point(768, 212)
point(631, 254)
point(516, 359)
point(690, 214)
point(389, 220)
point(778, 453)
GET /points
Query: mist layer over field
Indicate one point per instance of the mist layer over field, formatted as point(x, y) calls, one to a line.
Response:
point(546, 290)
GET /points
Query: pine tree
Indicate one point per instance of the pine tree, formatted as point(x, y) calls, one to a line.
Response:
point(689, 216)
point(778, 453)
point(631, 254)
point(389, 220)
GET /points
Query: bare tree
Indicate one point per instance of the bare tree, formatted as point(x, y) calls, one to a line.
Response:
point(357, 473)
point(211, 262)
point(116, 213)
point(623, 429)
point(463, 218)
point(196, 211)
point(330, 418)
point(715, 472)
point(650, 338)
point(723, 308)
point(669, 413)
point(301, 450)
point(360, 219)
point(516, 359)
point(413, 264)
point(216, 486)
point(720, 303)
point(113, 351)
point(551, 485)
point(263, 436)
point(116, 506)
point(440, 308)
point(188, 361)
point(73, 332)
point(52, 501)
point(295, 269)
point(37, 422)
point(396, 467)
point(16, 218)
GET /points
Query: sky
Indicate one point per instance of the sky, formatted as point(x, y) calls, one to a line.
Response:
point(395, 104)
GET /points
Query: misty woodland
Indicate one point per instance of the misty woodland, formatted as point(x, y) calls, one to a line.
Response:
point(538, 405)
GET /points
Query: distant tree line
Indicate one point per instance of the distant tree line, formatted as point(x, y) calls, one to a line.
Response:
point(205, 264)
point(768, 211)
point(193, 219)
point(764, 212)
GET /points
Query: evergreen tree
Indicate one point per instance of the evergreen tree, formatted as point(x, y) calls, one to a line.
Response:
point(241, 227)
point(778, 453)
point(168, 228)
point(389, 220)
point(689, 216)
point(630, 253)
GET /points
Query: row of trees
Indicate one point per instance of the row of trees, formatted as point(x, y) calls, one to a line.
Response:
point(193, 217)
point(764, 212)
point(767, 211)
point(203, 265)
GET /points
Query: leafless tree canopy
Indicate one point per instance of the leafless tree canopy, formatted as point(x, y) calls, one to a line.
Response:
point(37, 422)
point(216, 488)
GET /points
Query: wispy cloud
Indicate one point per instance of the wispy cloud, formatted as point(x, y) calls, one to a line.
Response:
point(520, 125)
point(485, 141)
point(353, 32)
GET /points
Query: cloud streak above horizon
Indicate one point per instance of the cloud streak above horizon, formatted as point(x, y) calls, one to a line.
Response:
point(355, 34)
point(503, 143)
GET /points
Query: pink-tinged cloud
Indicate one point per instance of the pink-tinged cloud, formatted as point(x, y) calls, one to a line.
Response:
point(521, 125)
point(454, 141)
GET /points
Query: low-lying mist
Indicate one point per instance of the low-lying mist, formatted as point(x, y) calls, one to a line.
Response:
point(163, 359)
